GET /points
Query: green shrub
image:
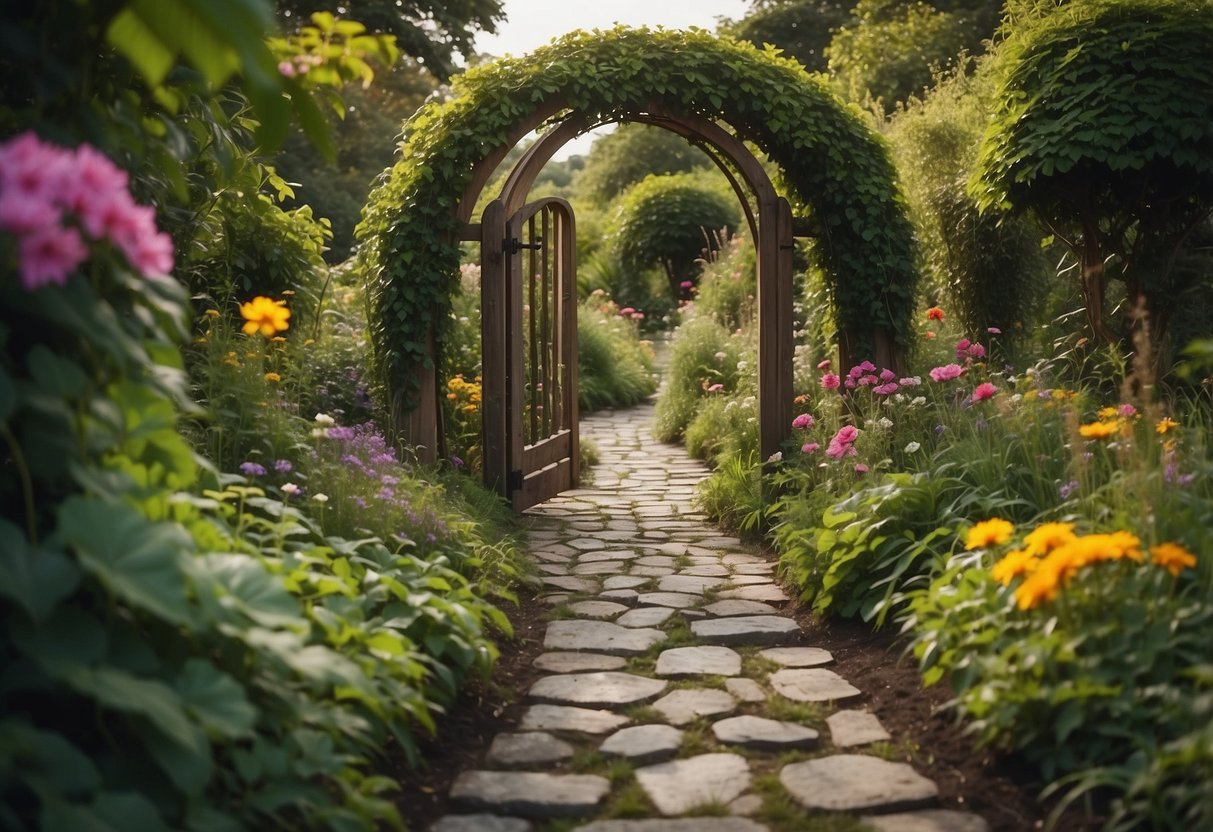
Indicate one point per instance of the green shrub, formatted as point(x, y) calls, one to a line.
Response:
point(702, 355)
point(615, 368)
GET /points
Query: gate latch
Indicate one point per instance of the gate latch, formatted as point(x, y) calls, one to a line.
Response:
point(513, 245)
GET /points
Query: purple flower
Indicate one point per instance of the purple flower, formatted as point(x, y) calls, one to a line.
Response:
point(456, 461)
point(283, 466)
point(1066, 489)
point(252, 469)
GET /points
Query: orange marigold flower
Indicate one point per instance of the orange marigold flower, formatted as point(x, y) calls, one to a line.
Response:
point(1013, 564)
point(273, 377)
point(265, 315)
point(934, 314)
point(1165, 424)
point(989, 533)
point(1048, 536)
point(1043, 583)
point(1099, 430)
point(1108, 413)
point(1172, 557)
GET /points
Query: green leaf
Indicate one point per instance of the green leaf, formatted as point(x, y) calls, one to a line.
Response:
point(243, 584)
point(131, 37)
point(56, 375)
point(216, 700)
point(47, 757)
point(128, 810)
point(137, 560)
point(34, 579)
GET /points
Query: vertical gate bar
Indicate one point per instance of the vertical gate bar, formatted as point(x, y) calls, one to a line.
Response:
point(559, 310)
point(774, 388)
point(493, 340)
point(545, 418)
point(568, 353)
point(533, 367)
point(515, 360)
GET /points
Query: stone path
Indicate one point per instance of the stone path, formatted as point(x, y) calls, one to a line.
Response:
point(679, 697)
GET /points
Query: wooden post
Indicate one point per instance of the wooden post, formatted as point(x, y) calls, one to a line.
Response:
point(493, 346)
point(774, 323)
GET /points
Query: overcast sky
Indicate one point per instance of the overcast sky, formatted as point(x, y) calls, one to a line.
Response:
point(532, 23)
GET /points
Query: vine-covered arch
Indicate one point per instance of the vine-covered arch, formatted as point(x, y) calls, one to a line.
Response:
point(834, 169)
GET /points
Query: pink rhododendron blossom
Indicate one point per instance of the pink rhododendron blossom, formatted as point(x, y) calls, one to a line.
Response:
point(810, 448)
point(829, 381)
point(804, 420)
point(947, 372)
point(885, 389)
point(887, 375)
point(49, 255)
point(849, 383)
point(984, 391)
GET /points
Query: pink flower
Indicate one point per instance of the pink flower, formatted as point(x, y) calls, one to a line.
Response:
point(627, 310)
point(20, 215)
point(823, 365)
point(977, 351)
point(686, 284)
point(860, 468)
point(885, 389)
point(829, 381)
point(849, 383)
point(887, 375)
point(49, 255)
point(286, 69)
point(804, 420)
point(810, 448)
point(637, 316)
point(838, 450)
point(962, 347)
point(993, 330)
point(984, 391)
point(847, 434)
point(912, 381)
point(31, 169)
point(1127, 411)
point(947, 372)
point(715, 388)
point(868, 380)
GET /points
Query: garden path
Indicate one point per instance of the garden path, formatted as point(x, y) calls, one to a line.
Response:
point(680, 695)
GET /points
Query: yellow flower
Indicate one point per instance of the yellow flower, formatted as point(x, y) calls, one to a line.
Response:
point(309, 342)
point(1014, 563)
point(469, 408)
point(1042, 584)
point(265, 315)
point(452, 396)
point(1165, 424)
point(1048, 536)
point(1099, 430)
point(278, 339)
point(212, 313)
point(1108, 413)
point(273, 377)
point(1172, 557)
point(989, 533)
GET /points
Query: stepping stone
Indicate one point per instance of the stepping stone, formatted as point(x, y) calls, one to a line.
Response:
point(564, 718)
point(931, 820)
point(645, 617)
point(763, 592)
point(587, 544)
point(571, 584)
point(677, 600)
point(723, 609)
point(763, 734)
point(813, 685)
point(602, 567)
point(553, 569)
point(624, 582)
point(679, 786)
point(620, 596)
point(688, 583)
point(644, 744)
point(849, 728)
point(698, 661)
point(747, 804)
point(600, 637)
point(700, 824)
point(741, 580)
point(555, 599)
point(687, 705)
point(735, 558)
point(750, 567)
point(706, 570)
point(531, 748)
point(530, 794)
point(657, 560)
point(797, 656)
point(652, 571)
point(480, 823)
point(747, 630)
point(854, 782)
point(746, 690)
point(597, 609)
point(596, 690)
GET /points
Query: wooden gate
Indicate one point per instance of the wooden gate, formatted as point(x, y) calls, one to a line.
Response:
point(529, 336)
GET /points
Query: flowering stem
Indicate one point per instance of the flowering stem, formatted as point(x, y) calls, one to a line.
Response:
point(27, 484)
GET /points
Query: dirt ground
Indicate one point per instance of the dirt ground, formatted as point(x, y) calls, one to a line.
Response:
point(875, 662)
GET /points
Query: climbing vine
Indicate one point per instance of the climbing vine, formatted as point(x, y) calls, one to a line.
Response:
point(834, 169)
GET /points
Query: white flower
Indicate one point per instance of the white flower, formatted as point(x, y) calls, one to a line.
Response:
point(775, 457)
point(321, 498)
point(885, 422)
point(325, 420)
point(912, 448)
point(320, 433)
point(918, 401)
point(741, 365)
point(290, 489)
point(722, 355)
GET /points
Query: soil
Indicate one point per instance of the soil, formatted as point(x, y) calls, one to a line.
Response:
point(874, 661)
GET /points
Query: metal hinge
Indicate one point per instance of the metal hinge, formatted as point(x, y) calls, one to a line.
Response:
point(512, 245)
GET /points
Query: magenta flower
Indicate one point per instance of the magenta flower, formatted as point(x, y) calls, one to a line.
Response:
point(887, 375)
point(1127, 411)
point(715, 388)
point(810, 448)
point(823, 365)
point(993, 330)
point(947, 372)
point(846, 434)
point(885, 389)
point(977, 351)
point(49, 255)
point(804, 420)
point(686, 284)
point(860, 468)
point(627, 310)
point(829, 381)
point(984, 391)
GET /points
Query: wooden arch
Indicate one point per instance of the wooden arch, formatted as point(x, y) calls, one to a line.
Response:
point(771, 228)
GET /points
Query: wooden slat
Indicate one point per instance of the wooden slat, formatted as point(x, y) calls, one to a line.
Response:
point(493, 306)
point(543, 371)
point(546, 451)
point(529, 281)
point(568, 341)
point(471, 232)
point(543, 484)
point(515, 365)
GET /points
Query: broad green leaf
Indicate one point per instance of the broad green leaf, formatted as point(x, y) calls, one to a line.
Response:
point(131, 37)
point(246, 586)
point(216, 700)
point(128, 810)
point(33, 578)
point(136, 559)
point(48, 757)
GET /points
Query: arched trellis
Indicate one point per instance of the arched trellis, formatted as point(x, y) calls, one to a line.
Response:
point(836, 171)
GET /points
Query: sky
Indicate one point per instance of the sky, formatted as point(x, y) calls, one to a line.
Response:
point(532, 23)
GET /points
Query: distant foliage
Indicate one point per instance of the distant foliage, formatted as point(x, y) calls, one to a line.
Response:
point(801, 28)
point(623, 157)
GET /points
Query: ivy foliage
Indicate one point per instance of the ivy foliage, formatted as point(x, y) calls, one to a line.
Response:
point(1104, 129)
point(835, 170)
point(669, 221)
point(622, 158)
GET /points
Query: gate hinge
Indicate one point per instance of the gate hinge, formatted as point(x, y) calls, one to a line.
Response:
point(512, 245)
point(514, 482)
